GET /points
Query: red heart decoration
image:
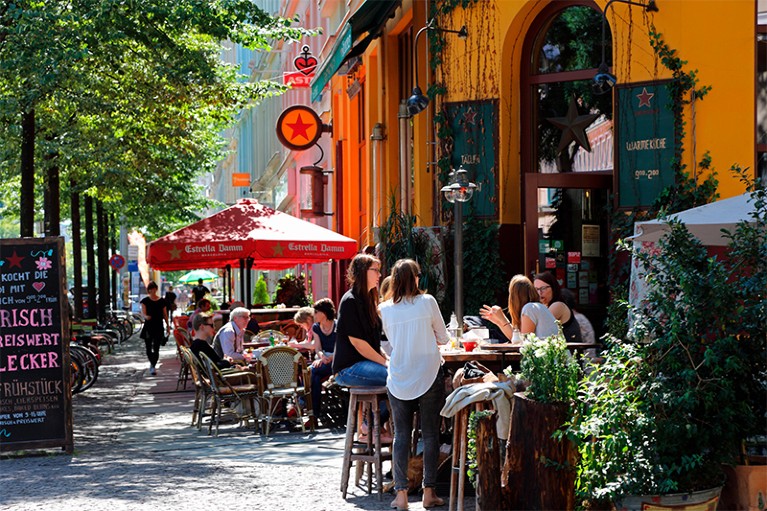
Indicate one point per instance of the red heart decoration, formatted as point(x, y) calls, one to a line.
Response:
point(305, 65)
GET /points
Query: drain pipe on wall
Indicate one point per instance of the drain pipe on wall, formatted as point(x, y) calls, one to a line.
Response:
point(377, 137)
point(404, 160)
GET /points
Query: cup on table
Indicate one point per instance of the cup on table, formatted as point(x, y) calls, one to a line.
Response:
point(469, 345)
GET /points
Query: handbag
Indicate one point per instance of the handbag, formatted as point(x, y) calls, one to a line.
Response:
point(473, 372)
point(164, 341)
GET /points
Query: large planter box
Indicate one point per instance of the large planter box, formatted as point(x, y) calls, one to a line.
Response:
point(745, 488)
point(706, 500)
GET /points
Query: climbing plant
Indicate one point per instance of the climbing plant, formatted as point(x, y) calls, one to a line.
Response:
point(687, 191)
point(483, 275)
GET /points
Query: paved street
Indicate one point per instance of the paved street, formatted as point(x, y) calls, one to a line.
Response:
point(135, 449)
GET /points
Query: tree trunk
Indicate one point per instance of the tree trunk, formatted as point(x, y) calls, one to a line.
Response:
point(111, 232)
point(488, 464)
point(27, 206)
point(539, 472)
point(103, 260)
point(52, 198)
point(77, 252)
point(91, 257)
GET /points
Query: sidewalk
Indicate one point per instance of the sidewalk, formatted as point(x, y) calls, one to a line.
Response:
point(135, 449)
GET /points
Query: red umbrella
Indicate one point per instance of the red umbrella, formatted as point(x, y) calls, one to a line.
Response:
point(275, 241)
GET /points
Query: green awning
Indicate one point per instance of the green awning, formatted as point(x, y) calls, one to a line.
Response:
point(370, 18)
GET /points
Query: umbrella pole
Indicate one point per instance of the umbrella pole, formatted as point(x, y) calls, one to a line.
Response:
point(248, 282)
point(228, 282)
point(242, 280)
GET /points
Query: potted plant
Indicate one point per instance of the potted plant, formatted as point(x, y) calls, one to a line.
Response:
point(674, 402)
point(539, 470)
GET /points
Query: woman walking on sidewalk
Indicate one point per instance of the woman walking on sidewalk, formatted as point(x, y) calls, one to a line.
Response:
point(155, 313)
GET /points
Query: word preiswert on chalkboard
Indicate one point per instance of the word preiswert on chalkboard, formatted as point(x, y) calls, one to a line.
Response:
point(35, 396)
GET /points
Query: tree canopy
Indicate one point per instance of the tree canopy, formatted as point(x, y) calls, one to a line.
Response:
point(129, 97)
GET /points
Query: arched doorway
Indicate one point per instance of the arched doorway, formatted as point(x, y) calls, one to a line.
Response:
point(567, 153)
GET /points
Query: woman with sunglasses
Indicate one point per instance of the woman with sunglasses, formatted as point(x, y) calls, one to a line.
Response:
point(528, 314)
point(358, 360)
point(414, 326)
point(547, 287)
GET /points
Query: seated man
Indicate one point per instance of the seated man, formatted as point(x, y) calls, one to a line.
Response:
point(203, 327)
point(230, 337)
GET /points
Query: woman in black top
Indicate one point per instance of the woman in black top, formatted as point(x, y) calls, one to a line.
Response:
point(549, 291)
point(358, 360)
point(155, 312)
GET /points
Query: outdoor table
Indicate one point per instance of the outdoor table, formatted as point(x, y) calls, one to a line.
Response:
point(496, 361)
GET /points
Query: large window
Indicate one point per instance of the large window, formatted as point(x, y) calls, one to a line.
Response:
point(567, 152)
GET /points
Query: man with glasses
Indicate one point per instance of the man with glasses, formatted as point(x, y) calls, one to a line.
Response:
point(203, 333)
point(231, 336)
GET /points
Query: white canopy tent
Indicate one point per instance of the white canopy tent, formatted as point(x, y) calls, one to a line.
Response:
point(704, 222)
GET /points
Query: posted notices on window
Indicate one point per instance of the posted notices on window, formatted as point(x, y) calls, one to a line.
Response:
point(35, 397)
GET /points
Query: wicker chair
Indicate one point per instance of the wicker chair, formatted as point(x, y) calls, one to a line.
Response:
point(284, 375)
point(293, 331)
point(182, 340)
point(223, 393)
point(201, 386)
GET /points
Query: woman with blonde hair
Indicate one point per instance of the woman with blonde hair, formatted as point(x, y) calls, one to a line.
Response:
point(414, 326)
point(528, 314)
point(358, 360)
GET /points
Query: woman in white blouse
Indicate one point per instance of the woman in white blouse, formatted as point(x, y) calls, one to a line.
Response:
point(414, 326)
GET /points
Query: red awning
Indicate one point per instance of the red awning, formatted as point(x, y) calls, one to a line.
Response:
point(275, 241)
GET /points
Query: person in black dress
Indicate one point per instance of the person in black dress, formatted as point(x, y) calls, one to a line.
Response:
point(155, 314)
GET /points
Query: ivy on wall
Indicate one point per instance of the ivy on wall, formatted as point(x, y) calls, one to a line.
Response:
point(686, 193)
point(484, 282)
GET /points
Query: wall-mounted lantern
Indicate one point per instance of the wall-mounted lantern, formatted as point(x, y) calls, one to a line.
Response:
point(313, 180)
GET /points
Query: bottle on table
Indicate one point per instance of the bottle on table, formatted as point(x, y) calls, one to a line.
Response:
point(271, 339)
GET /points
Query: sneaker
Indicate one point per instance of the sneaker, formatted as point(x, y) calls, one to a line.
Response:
point(152, 371)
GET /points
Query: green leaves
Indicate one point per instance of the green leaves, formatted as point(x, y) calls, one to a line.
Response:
point(549, 369)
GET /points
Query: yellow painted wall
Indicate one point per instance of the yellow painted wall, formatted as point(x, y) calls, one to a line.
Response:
point(716, 37)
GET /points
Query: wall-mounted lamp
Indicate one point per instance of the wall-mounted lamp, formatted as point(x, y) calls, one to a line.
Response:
point(417, 102)
point(604, 80)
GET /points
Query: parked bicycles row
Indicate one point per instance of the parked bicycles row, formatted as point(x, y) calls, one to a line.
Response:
point(92, 340)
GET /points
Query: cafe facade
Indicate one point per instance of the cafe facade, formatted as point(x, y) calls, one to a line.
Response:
point(560, 112)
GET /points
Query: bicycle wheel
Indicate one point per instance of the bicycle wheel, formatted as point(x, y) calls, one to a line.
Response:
point(90, 367)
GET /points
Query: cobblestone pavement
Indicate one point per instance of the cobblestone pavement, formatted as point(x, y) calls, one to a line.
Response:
point(135, 450)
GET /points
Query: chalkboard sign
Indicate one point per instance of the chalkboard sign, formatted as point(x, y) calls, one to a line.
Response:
point(35, 390)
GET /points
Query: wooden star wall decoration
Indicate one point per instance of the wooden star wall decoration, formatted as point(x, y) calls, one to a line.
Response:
point(573, 127)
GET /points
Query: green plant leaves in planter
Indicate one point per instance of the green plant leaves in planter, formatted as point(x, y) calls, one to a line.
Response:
point(549, 369)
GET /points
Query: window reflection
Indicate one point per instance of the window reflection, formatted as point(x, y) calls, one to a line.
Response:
point(572, 41)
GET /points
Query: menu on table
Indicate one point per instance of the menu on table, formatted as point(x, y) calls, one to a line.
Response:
point(35, 389)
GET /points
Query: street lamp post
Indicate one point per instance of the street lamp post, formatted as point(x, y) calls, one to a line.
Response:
point(458, 191)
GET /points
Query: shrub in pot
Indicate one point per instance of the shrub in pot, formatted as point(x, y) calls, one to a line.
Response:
point(674, 402)
point(539, 470)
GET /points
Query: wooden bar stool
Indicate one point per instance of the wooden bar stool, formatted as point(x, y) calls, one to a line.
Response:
point(366, 400)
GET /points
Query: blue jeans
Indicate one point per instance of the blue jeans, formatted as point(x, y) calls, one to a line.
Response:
point(319, 374)
point(363, 374)
point(429, 404)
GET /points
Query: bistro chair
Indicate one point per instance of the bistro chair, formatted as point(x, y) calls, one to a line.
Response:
point(293, 331)
point(182, 340)
point(284, 375)
point(247, 336)
point(201, 386)
point(225, 393)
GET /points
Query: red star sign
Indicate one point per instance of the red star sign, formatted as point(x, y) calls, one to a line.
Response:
point(300, 128)
point(645, 97)
point(15, 260)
